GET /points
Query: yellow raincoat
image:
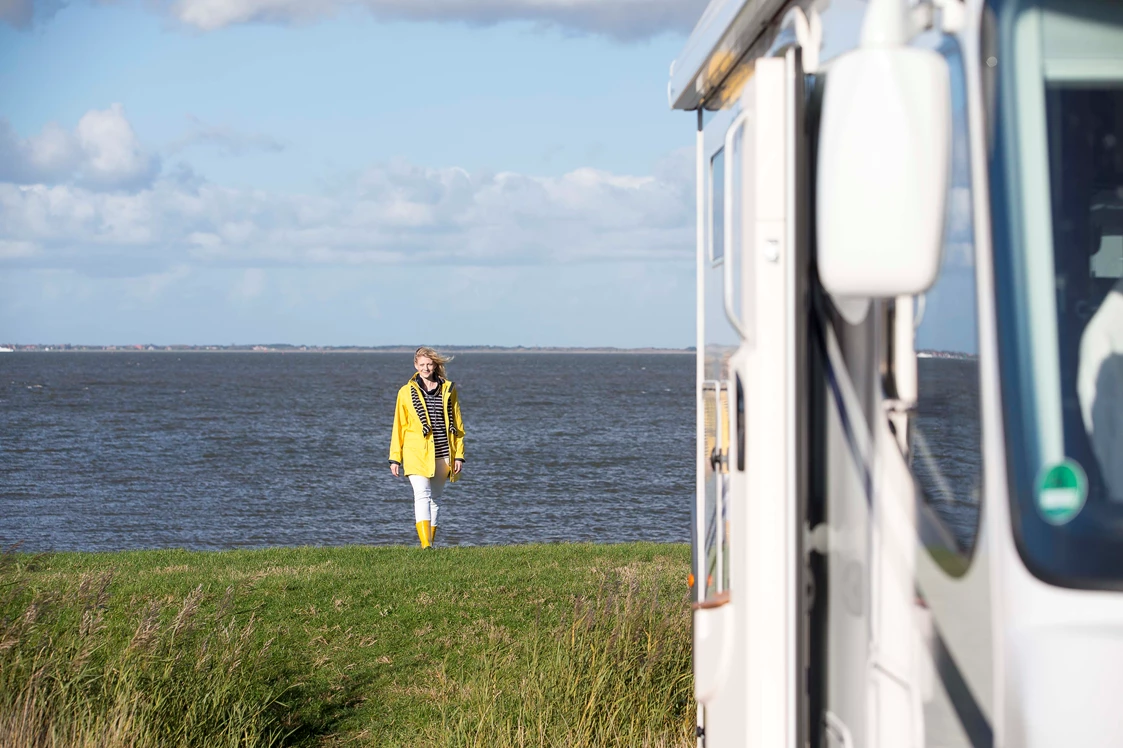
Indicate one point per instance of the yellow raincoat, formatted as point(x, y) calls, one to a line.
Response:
point(411, 441)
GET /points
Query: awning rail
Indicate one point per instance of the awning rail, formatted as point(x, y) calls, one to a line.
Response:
point(723, 35)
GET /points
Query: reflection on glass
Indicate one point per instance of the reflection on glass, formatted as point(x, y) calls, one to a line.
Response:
point(945, 440)
point(1088, 238)
point(717, 206)
point(1059, 171)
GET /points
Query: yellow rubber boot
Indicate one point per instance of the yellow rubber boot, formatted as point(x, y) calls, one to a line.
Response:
point(423, 532)
point(432, 534)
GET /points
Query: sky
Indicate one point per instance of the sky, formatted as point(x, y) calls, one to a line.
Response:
point(345, 172)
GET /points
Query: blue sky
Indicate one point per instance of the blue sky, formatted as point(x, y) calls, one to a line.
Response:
point(345, 172)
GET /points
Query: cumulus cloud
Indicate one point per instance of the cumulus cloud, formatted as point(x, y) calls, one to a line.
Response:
point(390, 213)
point(114, 157)
point(101, 153)
point(619, 19)
point(51, 156)
point(94, 199)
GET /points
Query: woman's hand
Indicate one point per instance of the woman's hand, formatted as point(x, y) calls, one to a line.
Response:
point(457, 466)
point(395, 468)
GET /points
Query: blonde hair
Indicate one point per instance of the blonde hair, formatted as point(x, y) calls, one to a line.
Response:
point(438, 359)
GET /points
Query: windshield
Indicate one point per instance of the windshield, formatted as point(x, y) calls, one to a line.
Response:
point(1057, 191)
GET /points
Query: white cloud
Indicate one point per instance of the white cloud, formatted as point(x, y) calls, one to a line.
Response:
point(51, 156)
point(103, 152)
point(56, 212)
point(53, 151)
point(391, 213)
point(114, 157)
point(619, 19)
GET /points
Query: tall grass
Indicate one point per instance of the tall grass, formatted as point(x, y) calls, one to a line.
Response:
point(80, 668)
point(616, 671)
point(567, 644)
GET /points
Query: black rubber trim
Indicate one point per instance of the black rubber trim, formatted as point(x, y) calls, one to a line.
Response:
point(974, 722)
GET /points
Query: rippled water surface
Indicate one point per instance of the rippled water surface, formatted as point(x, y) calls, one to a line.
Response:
point(108, 451)
point(946, 443)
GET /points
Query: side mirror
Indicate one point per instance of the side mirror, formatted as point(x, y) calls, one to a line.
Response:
point(883, 171)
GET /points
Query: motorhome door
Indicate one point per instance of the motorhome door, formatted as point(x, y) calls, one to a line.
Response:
point(752, 274)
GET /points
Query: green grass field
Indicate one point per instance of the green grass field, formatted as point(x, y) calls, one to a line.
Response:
point(566, 645)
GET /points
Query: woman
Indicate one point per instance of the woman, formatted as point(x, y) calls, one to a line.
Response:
point(427, 443)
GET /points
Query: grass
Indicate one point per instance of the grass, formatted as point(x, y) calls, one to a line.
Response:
point(572, 644)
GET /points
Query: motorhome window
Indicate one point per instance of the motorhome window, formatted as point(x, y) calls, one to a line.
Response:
point(1057, 186)
point(717, 206)
point(945, 439)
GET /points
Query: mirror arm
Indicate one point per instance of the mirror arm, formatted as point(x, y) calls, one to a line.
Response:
point(892, 23)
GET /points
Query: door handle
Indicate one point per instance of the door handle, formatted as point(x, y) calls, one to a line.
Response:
point(716, 457)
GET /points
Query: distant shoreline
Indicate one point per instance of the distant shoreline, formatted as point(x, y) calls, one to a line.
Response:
point(335, 349)
point(951, 355)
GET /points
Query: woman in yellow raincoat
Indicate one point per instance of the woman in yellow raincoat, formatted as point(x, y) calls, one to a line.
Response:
point(427, 442)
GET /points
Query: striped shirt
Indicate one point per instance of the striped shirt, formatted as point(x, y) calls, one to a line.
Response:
point(435, 408)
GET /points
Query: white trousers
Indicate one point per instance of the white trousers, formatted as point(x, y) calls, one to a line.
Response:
point(426, 491)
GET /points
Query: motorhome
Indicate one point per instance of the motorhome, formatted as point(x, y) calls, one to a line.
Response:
point(908, 527)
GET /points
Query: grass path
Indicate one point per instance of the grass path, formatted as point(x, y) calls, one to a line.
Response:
point(365, 646)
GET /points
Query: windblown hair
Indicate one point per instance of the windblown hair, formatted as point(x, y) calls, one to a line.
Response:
point(436, 358)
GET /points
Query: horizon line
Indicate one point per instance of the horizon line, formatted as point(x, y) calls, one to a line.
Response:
point(160, 347)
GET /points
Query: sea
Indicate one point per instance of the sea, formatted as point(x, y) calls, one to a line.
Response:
point(108, 451)
point(105, 451)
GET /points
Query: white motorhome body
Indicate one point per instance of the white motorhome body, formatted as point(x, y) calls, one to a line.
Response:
point(909, 511)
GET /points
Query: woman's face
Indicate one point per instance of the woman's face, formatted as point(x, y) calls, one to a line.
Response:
point(425, 366)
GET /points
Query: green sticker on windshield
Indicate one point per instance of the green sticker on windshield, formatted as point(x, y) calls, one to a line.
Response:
point(1061, 491)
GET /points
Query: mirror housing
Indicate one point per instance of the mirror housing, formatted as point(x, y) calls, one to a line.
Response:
point(883, 172)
